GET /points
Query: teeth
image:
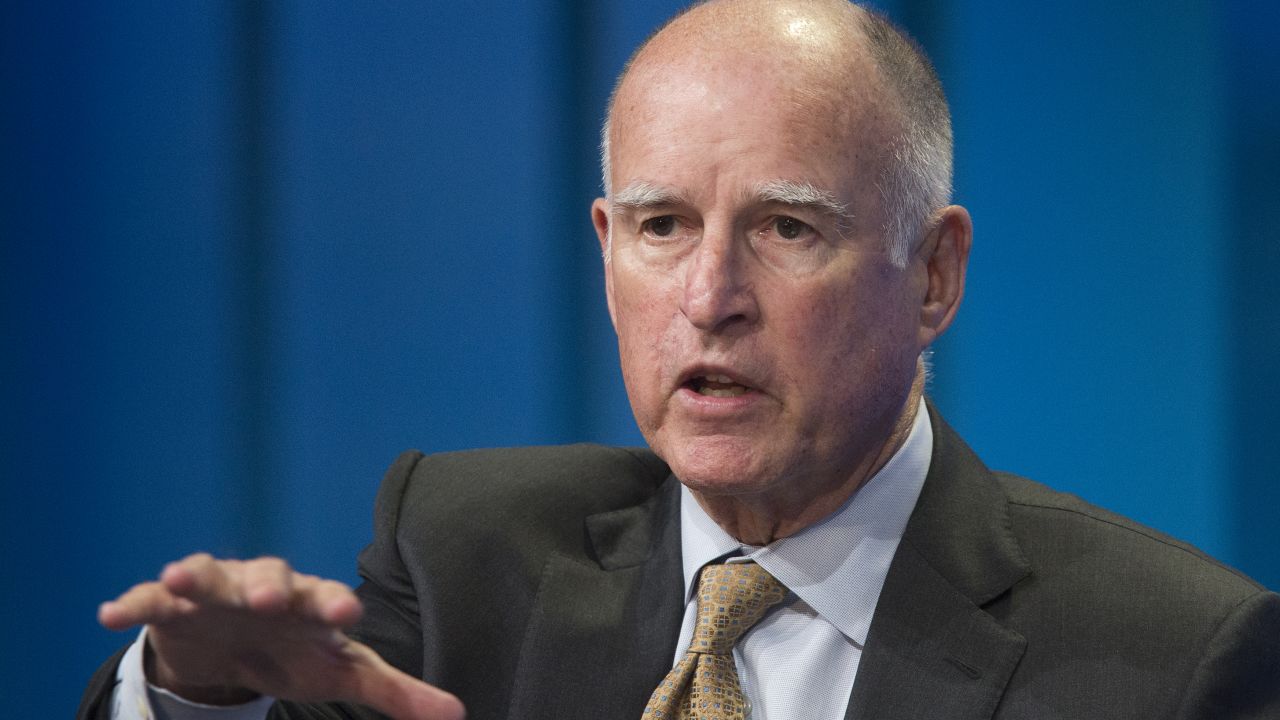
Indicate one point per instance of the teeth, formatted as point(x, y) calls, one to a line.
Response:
point(718, 385)
point(734, 391)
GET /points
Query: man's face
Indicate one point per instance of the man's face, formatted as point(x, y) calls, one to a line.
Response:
point(767, 343)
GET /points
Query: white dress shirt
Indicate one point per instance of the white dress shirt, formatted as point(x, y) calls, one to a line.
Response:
point(803, 654)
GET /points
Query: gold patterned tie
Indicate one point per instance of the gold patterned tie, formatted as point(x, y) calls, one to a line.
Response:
point(704, 684)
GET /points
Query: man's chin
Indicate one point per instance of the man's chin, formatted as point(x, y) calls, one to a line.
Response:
point(721, 466)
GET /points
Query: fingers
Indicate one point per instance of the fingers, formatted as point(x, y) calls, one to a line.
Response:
point(416, 700)
point(400, 696)
point(265, 586)
point(145, 603)
point(182, 586)
point(205, 580)
point(328, 601)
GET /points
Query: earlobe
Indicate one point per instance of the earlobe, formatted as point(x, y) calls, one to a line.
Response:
point(600, 220)
point(945, 266)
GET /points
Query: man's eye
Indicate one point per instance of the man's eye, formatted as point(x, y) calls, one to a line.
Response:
point(789, 228)
point(661, 226)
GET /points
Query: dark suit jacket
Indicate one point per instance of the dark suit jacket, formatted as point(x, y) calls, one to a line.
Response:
point(546, 583)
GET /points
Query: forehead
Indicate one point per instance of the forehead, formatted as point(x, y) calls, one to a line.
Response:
point(685, 109)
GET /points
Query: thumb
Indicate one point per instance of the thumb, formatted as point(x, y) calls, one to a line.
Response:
point(398, 695)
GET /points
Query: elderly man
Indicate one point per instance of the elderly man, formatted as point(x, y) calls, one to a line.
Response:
point(779, 252)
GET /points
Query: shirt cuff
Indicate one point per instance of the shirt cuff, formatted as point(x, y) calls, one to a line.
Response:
point(136, 699)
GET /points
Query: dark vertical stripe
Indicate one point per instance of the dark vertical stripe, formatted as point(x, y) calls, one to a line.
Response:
point(252, 420)
point(580, 289)
point(1253, 211)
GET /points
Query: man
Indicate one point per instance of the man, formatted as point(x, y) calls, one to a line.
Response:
point(779, 253)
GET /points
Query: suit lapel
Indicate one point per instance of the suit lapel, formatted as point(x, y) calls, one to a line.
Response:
point(932, 650)
point(603, 628)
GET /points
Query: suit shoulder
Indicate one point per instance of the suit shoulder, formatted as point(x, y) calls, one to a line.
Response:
point(1152, 626)
point(471, 490)
point(438, 517)
point(1064, 530)
point(583, 469)
point(579, 455)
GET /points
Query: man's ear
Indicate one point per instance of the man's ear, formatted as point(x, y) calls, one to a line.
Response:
point(600, 218)
point(946, 259)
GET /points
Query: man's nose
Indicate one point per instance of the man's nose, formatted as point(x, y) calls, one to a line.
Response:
point(718, 293)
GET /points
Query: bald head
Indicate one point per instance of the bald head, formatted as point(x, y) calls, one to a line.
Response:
point(838, 62)
point(805, 30)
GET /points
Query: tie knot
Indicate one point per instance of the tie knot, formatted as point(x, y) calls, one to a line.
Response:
point(731, 598)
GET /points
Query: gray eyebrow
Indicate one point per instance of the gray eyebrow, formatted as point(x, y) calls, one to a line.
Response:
point(804, 194)
point(642, 194)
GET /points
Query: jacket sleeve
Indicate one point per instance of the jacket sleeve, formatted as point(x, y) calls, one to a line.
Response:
point(95, 703)
point(1238, 678)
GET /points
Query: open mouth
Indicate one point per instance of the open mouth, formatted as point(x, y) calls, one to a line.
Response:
point(716, 386)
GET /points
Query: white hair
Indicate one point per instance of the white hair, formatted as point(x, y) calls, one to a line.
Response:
point(642, 194)
point(914, 186)
point(916, 180)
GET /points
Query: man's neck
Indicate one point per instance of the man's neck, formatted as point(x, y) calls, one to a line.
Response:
point(759, 519)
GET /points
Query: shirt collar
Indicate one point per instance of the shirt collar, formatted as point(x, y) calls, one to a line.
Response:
point(836, 566)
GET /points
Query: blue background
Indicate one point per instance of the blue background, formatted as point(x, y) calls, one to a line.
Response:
point(251, 251)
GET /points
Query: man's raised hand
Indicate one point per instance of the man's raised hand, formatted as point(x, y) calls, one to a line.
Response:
point(224, 631)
